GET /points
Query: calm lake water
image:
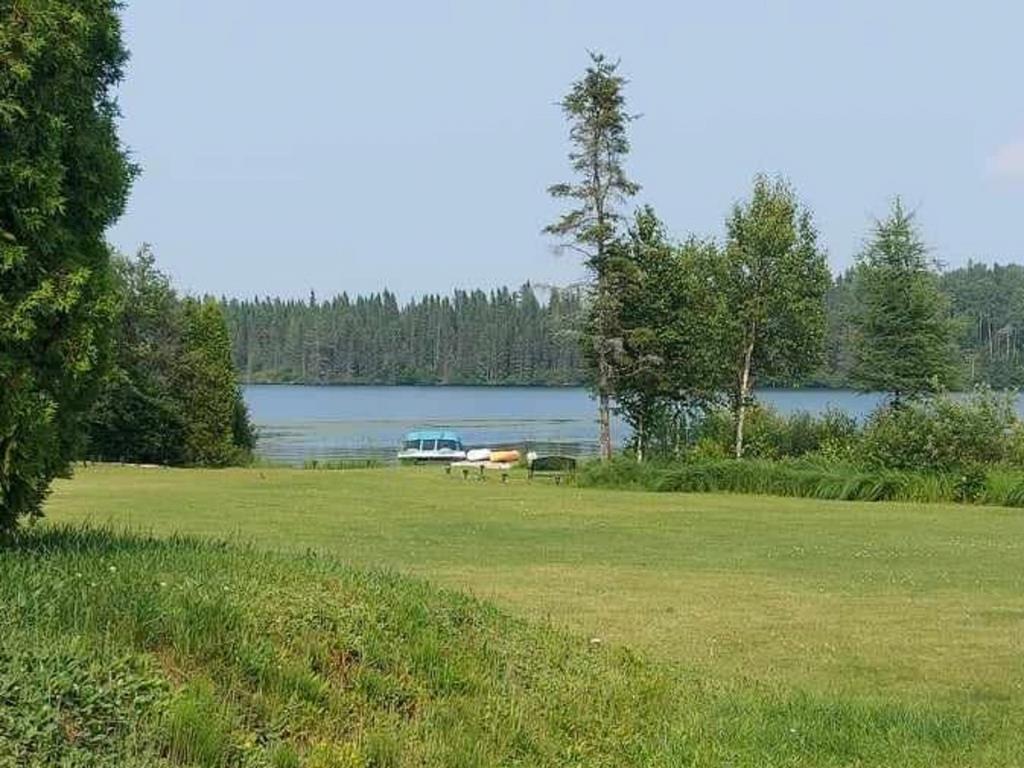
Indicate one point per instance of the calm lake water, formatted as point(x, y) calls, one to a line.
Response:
point(297, 423)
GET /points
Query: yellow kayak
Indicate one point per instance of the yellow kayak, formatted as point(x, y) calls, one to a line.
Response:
point(505, 457)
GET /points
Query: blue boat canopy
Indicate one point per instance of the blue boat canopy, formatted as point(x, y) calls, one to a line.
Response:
point(432, 434)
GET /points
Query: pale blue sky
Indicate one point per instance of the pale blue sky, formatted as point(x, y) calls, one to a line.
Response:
point(353, 146)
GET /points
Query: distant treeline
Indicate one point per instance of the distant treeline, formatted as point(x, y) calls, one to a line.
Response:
point(515, 337)
point(501, 337)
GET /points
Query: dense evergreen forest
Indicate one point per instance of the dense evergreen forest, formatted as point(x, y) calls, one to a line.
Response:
point(529, 337)
point(502, 337)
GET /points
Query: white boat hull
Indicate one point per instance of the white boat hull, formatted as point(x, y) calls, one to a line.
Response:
point(414, 455)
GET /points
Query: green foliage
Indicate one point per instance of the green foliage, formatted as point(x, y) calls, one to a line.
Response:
point(197, 729)
point(941, 448)
point(770, 435)
point(285, 756)
point(63, 180)
point(471, 337)
point(665, 360)
point(67, 703)
point(237, 658)
point(137, 416)
point(172, 396)
point(904, 333)
point(511, 337)
point(204, 378)
point(988, 305)
point(810, 478)
point(943, 433)
point(595, 109)
point(775, 283)
point(217, 656)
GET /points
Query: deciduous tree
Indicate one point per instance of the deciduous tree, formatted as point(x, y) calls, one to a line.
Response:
point(776, 278)
point(137, 417)
point(172, 396)
point(667, 359)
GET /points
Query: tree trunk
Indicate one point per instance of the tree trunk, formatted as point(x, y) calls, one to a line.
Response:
point(604, 423)
point(603, 365)
point(741, 415)
point(743, 396)
point(640, 437)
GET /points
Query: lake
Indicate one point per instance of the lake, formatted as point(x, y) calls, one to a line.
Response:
point(297, 423)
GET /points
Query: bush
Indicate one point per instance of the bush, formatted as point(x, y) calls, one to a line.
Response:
point(772, 435)
point(943, 434)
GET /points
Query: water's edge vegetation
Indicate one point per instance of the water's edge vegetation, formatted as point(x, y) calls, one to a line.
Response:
point(944, 448)
point(801, 478)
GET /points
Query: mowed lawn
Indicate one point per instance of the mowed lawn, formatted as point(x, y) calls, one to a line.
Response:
point(909, 602)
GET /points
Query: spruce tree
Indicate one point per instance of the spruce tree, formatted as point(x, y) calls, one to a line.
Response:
point(595, 109)
point(206, 381)
point(904, 336)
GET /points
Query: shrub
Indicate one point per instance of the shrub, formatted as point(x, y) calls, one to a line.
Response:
point(772, 435)
point(943, 434)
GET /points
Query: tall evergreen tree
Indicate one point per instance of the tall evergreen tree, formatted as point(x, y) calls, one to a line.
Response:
point(595, 109)
point(904, 333)
point(64, 177)
point(776, 280)
point(205, 377)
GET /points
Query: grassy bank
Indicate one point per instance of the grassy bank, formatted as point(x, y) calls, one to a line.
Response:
point(871, 628)
point(172, 652)
point(809, 479)
point(205, 655)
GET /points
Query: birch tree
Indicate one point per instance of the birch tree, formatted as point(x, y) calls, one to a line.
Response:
point(776, 279)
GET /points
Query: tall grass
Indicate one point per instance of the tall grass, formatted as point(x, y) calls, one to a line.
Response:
point(121, 651)
point(808, 479)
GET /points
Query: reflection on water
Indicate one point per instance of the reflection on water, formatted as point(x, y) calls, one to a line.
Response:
point(297, 423)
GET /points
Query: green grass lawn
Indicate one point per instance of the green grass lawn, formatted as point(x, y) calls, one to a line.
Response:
point(765, 600)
